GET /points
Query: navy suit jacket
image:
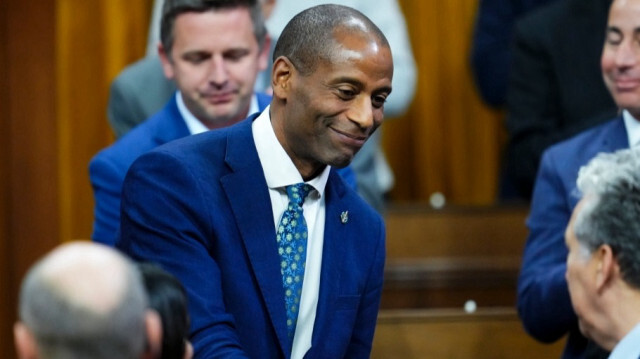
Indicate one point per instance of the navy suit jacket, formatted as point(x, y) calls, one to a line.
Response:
point(200, 207)
point(543, 296)
point(108, 168)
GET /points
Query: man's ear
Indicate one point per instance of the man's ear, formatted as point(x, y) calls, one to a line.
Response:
point(26, 346)
point(281, 75)
point(167, 63)
point(153, 325)
point(606, 267)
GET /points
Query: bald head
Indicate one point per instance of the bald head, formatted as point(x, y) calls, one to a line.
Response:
point(88, 276)
point(311, 35)
point(84, 300)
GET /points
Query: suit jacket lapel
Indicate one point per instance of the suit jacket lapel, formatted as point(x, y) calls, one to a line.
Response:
point(172, 125)
point(247, 191)
point(615, 136)
point(332, 254)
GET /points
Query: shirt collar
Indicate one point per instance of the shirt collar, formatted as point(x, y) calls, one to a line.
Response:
point(628, 346)
point(279, 170)
point(194, 125)
point(633, 128)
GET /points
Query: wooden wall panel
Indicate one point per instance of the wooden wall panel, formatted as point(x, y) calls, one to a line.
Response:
point(96, 40)
point(7, 302)
point(29, 185)
point(453, 140)
point(489, 333)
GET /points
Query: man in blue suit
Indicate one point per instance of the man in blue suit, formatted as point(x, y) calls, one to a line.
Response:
point(215, 76)
point(206, 207)
point(543, 297)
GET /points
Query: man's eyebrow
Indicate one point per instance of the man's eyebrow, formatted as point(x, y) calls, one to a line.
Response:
point(386, 89)
point(349, 80)
point(613, 29)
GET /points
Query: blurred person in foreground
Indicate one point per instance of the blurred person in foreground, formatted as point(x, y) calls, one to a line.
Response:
point(85, 300)
point(603, 265)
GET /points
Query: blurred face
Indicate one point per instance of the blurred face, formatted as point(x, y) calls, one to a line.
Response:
point(621, 55)
point(330, 113)
point(580, 279)
point(214, 61)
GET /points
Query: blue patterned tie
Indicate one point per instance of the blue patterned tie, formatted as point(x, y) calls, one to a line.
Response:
point(292, 247)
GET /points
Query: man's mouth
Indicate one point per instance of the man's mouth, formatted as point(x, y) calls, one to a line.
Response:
point(218, 97)
point(355, 140)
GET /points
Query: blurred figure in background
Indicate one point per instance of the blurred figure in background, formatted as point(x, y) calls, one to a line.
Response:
point(491, 46)
point(555, 87)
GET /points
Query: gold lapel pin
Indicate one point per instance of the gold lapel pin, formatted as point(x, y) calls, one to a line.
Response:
point(344, 217)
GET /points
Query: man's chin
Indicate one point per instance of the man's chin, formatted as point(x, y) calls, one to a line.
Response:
point(221, 118)
point(341, 162)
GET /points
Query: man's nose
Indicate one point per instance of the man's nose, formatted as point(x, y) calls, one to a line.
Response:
point(627, 54)
point(218, 74)
point(361, 112)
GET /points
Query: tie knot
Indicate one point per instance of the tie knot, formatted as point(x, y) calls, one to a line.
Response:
point(298, 192)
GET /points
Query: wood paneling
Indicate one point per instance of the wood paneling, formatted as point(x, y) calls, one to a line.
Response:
point(448, 141)
point(494, 333)
point(442, 258)
point(7, 302)
point(29, 150)
point(95, 41)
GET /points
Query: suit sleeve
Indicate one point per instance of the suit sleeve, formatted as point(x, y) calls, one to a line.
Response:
point(362, 338)
point(106, 181)
point(165, 220)
point(124, 110)
point(534, 117)
point(544, 304)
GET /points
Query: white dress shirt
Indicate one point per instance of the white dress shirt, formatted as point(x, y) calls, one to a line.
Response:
point(633, 128)
point(629, 346)
point(196, 126)
point(279, 171)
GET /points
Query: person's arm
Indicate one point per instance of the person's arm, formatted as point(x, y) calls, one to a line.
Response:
point(166, 220)
point(544, 304)
point(106, 181)
point(364, 327)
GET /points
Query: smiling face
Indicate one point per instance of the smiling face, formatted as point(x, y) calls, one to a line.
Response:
point(620, 60)
point(330, 113)
point(214, 60)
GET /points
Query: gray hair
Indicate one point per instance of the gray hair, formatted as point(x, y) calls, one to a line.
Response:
point(310, 35)
point(65, 326)
point(173, 8)
point(610, 214)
